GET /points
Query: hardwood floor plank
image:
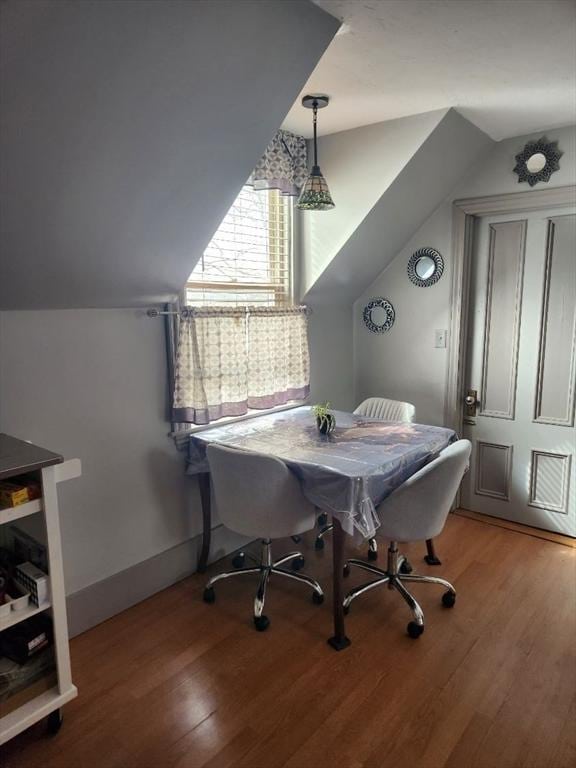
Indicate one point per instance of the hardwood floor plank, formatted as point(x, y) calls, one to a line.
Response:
point(176, 683)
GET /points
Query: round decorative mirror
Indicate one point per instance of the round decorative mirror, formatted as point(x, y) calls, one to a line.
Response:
point(379, 315)
point(425, 267)
point(538, 161)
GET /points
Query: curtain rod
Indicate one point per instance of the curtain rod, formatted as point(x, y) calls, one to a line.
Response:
point(189, 311)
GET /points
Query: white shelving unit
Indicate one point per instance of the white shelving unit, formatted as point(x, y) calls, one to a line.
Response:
point(17, 458)
point(15, 513)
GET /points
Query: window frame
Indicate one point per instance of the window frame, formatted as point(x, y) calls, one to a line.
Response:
point(287, 296)
point(181, 431)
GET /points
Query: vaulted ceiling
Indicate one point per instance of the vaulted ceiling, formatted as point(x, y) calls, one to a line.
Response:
point(127, 130)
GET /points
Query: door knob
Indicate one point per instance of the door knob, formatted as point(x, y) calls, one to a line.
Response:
point(471, 402)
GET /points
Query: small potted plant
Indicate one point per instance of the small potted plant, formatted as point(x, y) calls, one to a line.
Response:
point(325, 421)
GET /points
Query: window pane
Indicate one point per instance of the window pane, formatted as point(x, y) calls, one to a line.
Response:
point(248, 260)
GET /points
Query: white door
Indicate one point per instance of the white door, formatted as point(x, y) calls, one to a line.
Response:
point(521, 361)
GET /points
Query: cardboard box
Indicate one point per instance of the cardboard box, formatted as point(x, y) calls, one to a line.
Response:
point(13, 493)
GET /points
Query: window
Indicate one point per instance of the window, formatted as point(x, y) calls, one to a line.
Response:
point(248, 261)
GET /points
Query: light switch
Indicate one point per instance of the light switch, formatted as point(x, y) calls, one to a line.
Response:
point(440, 338)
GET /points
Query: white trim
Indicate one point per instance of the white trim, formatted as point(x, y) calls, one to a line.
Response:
point(32, 711)
point(464, 216)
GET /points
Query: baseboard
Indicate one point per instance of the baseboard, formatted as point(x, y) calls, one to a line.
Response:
point(538, 533)
point(104, 599)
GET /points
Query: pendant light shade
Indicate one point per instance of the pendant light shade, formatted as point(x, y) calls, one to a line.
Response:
point(315, 195)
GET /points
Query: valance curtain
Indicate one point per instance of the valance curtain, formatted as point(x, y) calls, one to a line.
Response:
point(229, 361)
point(283, 166)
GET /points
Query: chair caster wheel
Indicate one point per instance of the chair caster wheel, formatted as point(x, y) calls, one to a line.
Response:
point(209, 596)
point(346, 610)
point(372, 555)
point(238, 560)
point(322, 519)
point(261, 623)
point(54, 722)
point(317, 599)
point(415, 630)
point(319, 543)
point(346, 570)
point(449, 599)
point(298, 563)
point(406, 567)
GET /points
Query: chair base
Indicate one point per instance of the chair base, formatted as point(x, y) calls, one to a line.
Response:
point(319, 541)
point(394, 577)
point(265, 567)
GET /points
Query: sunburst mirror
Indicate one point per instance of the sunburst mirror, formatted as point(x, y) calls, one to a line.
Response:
point(538, 161)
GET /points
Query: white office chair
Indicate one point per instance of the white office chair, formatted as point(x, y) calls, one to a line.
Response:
point(373, 408)
point(417, 510)
point(258, 496)
point(389, 410)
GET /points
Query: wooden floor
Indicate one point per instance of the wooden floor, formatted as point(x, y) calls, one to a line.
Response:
point(176, 683)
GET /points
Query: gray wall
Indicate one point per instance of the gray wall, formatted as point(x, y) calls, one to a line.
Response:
point(425, 171)
point(92, 384)
point(359, 166)
point(330, 334)
point(128, 128)
point(385, 180)
point(403, 364)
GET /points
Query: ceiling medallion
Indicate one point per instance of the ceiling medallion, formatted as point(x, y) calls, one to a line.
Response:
point(538, 161)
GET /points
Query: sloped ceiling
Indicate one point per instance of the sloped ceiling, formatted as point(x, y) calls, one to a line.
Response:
point(127, 130)
point(394, 58)
point(443, 146)
point(360, 166)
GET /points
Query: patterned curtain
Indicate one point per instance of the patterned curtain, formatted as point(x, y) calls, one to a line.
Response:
point(278, 360)
point(283, 166)
point(229, 361)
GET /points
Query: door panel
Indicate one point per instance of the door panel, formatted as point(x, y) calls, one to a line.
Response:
point(522, 360)
point(557, 353)
point(503, 307)
point(493, 470)
point(549, 481)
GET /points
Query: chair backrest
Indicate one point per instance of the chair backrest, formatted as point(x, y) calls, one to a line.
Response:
point(382, 408)
point(257, 495)
point(419, 508)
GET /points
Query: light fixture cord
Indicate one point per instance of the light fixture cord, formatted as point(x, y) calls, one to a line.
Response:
point(314, 120)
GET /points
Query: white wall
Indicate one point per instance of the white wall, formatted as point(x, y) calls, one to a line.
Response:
point(92, 384)
point(403, 364)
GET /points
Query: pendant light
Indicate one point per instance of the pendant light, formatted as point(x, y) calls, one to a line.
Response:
point(315, 195)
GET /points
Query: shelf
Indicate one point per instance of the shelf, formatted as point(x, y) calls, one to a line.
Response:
point(33, 711)
point(15, 617)
point(22, 510)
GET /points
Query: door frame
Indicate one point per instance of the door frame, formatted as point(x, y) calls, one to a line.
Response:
point(465, 215)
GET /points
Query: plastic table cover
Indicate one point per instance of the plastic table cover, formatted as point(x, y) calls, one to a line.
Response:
point(347, 473)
